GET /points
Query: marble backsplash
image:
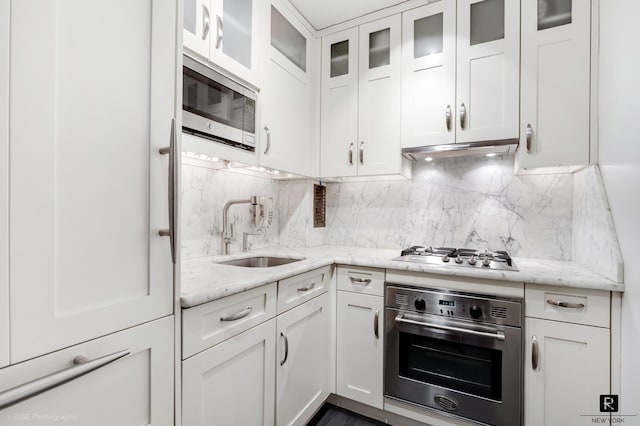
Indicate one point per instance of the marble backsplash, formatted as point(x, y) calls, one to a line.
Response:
point(465, 202)
point(472, 202)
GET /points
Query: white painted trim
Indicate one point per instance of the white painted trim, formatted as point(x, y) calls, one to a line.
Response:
point(616, 343)
point(594, 151)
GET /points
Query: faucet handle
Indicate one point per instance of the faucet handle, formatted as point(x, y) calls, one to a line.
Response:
point(230, 230)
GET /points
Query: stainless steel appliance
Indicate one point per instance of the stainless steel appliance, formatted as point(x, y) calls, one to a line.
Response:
point(217, 108)
point(457, 353)
point(482, 259)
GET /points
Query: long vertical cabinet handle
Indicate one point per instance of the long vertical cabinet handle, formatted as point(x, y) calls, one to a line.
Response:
point(36, 387)
point(219, 31)
point(529, 138)
point(286, 348)
point(448, 117)
point(362, 152)
point(463, 116)
point(351, 154)
point(206, 22)
point(266, 129)
point(376, 326)
point(535, 353)
point(173, 186)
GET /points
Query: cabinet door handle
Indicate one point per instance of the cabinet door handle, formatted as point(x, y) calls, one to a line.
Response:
point(307, 288)
point(376, 319)
point(266, 129)
point(448, 117)
point(565, 304)
point(535, 353)
point(529, 138)
point(237, 315)
point(173, 185)
point(206, 22)
point(351, 154)
point(286, 348)
point(362, 152)
point(463, 116)
point(35, 387)
point(364, 281)
point(219, 31)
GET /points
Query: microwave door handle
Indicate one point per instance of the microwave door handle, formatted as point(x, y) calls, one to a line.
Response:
point(498, 335)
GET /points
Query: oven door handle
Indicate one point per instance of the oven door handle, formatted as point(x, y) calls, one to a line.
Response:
point(498, 335)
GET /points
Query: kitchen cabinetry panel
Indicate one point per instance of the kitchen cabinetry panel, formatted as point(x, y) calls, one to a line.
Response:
point(302, 361)
point(572, 372)
point(360, 348)
point(488, 72)
point(206, 325)
point(4, 182)
point(580, 306)
point(285, 136)
point(89, 187)
point(555, 104)
point(300, 288)
point(360, 279)
point(232, 383)
point(225, 33)
point(429, 75)
point(133, 390)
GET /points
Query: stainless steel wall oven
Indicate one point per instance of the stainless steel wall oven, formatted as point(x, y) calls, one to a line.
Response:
point(457, 353)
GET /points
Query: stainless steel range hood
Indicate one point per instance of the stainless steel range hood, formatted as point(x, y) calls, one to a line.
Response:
point(504, 146)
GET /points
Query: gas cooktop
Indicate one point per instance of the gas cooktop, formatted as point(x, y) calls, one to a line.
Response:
point(472, 258)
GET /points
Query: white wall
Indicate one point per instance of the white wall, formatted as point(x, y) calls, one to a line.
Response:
point(619, 138)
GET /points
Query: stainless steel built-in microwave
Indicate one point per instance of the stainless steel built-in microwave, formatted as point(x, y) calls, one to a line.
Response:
point(217, 108)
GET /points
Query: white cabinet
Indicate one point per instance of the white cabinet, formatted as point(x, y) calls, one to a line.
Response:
point(88, 186)
point(555, 104)
point(567, 354)
point(360, 111)
point(302, 361)
point(478, 43)
point(232, 383)
point(134, 390)
point(4, 182)
point(285, 132)
point(360, 348)
point(226, 33)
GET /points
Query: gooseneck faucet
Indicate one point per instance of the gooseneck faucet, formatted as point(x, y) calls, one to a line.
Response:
point(227, 231)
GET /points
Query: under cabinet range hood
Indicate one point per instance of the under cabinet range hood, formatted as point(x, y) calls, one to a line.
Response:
point(504, 146)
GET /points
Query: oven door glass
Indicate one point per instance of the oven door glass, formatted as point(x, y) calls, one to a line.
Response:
point(210, 99)
point(451, 364)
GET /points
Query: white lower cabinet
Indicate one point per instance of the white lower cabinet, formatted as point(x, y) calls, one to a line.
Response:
point(567, 354)
point(134, 390)
point(232, 383)
point(360, 348)
point(302, 382)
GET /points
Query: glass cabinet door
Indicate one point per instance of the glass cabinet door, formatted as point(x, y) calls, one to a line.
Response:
point(196, 26)
point(237, 31)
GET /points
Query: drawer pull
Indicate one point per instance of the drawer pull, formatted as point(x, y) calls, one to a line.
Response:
point(376, 319)
point(237, 315)
point(364, 281)
point(35, 387)
point(565, 304)
point(307, 288)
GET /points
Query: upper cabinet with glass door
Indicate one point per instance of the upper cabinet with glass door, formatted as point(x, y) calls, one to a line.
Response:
point(461, 72)
point(555, 104)
point(225, 33)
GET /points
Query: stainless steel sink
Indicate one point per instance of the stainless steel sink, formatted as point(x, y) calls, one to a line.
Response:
point(260, 261)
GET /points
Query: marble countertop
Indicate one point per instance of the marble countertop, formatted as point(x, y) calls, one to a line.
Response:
point(204, 280)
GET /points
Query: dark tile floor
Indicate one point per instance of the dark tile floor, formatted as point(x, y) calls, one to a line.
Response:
point(330, 415)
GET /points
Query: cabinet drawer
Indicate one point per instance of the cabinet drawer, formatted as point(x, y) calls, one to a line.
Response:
point(206, 325)
point(580, 306)
point(361, 280)
point(296, 290)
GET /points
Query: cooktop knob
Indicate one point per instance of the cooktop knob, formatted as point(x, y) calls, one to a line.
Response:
point(486, 261)
point(420, 304)
point(472, 260)
point(445, 258)
point(459, 259)
point(475, 312)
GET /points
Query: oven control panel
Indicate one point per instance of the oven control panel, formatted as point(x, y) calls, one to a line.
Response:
point(455, 304)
